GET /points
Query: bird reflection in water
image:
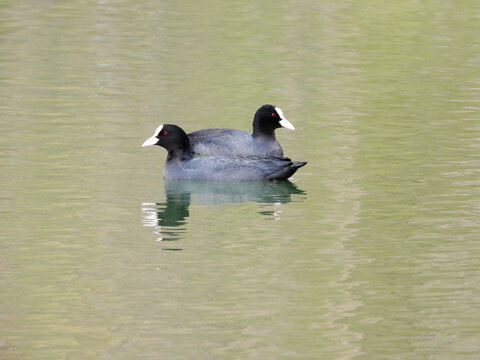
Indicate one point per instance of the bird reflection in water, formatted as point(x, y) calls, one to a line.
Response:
point(169, 218)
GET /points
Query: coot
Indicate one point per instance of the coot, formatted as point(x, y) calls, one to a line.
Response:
point(261, 142)
point(180, 164)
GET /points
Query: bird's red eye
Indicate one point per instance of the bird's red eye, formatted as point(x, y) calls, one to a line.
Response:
point(273, 114)
point(164, 133)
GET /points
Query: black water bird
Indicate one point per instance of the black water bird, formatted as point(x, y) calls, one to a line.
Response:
point(262, 142)
point(180, 164)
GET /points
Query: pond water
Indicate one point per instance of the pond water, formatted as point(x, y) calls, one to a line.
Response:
point(371, 251)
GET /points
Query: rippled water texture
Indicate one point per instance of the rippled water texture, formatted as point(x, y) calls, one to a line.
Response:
point(371, 251)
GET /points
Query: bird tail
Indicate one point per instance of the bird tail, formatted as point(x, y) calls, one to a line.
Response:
point(285, 171)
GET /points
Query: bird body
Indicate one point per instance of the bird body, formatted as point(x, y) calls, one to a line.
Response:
point(232, 142)
point(231, 168)
point(180, 164)
point(228, 142)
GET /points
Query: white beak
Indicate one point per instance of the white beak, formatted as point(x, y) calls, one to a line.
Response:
point(153, 140)
point(284, 122)
point(150, 141)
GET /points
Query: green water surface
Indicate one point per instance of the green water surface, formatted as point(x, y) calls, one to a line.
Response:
point(371, 252)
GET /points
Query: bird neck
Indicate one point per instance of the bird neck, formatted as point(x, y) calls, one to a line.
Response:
point(179, 149)
point(262, 129)
point(179, 154)
point(263, 132)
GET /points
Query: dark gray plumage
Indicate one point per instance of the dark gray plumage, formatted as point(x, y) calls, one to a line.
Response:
point(181, 165)
point(262, 142)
